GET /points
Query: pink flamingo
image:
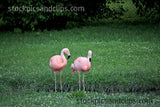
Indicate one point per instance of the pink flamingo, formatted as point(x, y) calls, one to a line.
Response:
point(58, 62)
point(82, 64)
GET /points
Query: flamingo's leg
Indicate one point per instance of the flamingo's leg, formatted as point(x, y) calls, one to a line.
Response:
point(83, 81)
point(55, 81)
point(79, 82)
point(61, 81)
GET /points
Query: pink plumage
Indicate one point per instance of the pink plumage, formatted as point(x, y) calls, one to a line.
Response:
point(58, 62)
point(82, 64)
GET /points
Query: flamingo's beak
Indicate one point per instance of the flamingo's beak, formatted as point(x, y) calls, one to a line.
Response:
point(89, 59)
point(73, 71)
point(69, 56)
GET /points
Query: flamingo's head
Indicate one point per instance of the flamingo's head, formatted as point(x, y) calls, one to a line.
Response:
point(72, 66)
point(66, 51)
point(89, 55)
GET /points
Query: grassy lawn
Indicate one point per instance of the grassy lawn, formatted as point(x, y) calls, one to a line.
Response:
point(29, 98)
point(126, 58)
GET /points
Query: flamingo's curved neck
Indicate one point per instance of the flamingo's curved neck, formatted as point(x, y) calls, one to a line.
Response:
point(63, 57)
point(89, 56)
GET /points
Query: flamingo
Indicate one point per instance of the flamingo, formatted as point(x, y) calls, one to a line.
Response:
point(58, 62)
point(82, 64)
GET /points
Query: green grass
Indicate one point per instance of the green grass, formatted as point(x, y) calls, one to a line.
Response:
point(29, 98)
point(126, 58)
